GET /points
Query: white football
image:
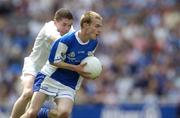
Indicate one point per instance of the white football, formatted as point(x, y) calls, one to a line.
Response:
point(93, 66)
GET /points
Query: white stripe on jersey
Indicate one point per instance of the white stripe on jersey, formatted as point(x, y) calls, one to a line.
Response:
point(48, 69)
point(60, 53)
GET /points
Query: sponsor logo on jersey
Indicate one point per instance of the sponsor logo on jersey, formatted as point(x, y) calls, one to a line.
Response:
point(61, 57)
point(81, 52)
point(71, 54)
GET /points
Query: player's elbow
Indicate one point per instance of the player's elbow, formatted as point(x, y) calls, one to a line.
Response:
point(53, 63)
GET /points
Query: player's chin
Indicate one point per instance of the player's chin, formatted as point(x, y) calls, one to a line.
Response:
point(63, 33)
point(95, 37)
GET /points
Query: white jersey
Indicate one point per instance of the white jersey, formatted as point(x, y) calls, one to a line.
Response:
point(41, 48)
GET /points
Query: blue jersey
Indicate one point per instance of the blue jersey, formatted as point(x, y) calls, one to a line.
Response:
point(72, 50)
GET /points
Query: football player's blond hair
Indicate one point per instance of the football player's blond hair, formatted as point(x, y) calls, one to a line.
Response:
point(88, 16)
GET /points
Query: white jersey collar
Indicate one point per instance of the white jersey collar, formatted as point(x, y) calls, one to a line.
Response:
point(79, 40)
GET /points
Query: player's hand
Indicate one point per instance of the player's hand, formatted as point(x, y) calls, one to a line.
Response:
point(80, 70)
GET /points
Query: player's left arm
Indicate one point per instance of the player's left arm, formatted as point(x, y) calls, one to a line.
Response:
point(93, 52)
point(58, 55)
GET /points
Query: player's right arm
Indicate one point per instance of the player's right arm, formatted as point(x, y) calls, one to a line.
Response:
point(57, 56)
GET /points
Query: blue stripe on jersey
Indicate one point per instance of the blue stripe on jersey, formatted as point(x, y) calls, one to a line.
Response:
point(76, 52)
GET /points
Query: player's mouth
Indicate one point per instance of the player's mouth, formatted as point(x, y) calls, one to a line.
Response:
point(97, 35)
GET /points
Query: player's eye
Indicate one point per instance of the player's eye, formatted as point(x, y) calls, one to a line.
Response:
point(64, 24)
point(98, 25)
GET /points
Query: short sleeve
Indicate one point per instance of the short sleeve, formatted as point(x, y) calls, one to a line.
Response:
point(58, 52)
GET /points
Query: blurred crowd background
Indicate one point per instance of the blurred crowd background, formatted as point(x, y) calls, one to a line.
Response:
point(139, 48)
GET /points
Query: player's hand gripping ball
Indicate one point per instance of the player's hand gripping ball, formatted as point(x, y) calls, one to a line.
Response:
point(93, 66)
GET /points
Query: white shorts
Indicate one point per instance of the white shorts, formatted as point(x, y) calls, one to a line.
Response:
point(52, 87)
point(28, 68)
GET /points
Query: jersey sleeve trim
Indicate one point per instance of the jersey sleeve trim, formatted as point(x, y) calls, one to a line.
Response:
point(58, 52)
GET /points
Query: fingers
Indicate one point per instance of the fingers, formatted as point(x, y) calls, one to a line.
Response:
point(86, 77)
point(84, 64)
point(86, 74)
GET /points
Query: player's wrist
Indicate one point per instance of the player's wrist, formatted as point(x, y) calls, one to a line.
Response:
point(74, 68)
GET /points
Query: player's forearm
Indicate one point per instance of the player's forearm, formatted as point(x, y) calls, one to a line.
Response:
point(64, 65)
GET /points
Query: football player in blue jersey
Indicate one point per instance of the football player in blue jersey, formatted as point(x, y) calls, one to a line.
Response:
point(52, 30)
point(63, 73)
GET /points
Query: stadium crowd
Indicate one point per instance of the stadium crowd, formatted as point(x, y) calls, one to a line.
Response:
point(139, 48)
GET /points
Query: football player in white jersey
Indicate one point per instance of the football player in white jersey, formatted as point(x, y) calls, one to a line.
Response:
point(51, 31)
point(61, 75)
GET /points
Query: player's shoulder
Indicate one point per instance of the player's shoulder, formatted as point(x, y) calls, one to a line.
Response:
point(94, 41)
point(49, 23)
point(68, 37)
point(50, 26)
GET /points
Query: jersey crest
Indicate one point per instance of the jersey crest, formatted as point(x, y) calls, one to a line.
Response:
point(71, 54)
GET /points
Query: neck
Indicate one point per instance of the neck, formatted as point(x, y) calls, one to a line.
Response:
point(83, 37)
